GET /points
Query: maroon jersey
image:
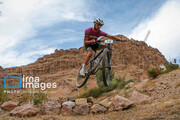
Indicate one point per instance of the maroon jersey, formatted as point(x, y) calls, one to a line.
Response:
point(90, 33)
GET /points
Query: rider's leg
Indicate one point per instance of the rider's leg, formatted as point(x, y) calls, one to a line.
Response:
point(88, 56)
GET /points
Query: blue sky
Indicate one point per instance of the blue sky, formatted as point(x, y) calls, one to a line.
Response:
point(30, 29)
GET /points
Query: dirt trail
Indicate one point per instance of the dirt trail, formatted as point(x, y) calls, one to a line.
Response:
point(165, 91)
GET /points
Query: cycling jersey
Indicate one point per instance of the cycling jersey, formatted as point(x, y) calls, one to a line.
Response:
point(90, 33)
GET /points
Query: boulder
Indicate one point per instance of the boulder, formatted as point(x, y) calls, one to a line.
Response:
point(69, 103)
point(52, 106)
point(66, 110)
point(139, 98)
point(81, 101)
point(96, 108)
point(81, 110)
point(9, 105)
point(92, 100)
point(120, 103)
point(25, 110)
point(105, 102)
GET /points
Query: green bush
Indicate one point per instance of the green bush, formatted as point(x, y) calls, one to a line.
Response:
point(122, 83)
point(154, 72)
point(116, 83)
point(3, 95)
point(171, 67)
point(95, 92)
point(37, 98)
point(112, 85)
point(99, 77)
point(25, 97)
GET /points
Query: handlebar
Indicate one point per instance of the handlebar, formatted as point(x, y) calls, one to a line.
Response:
point(98, 41)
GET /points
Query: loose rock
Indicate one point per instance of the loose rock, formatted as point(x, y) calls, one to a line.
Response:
point(96, 108)
point(105, 102)
point(66, 110)
point(9, 105)
point(81, 101)
point(25, 110)
point(139, 98)
point(81, 110)
point(52, 106)
point(69, 103)
point(120, 103)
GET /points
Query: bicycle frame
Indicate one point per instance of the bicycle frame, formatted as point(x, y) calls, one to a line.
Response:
point(95, 56)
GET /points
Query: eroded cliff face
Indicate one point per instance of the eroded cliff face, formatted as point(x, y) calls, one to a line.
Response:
point(131, 59)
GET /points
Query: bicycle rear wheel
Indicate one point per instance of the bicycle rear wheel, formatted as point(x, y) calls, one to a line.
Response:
point(81, 80)
point(106, 66)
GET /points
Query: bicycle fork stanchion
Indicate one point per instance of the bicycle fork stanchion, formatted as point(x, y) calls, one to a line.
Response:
point(110, 55)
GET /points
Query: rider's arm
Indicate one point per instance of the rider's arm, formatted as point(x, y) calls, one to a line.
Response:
point(115, 37)
point(86, 41)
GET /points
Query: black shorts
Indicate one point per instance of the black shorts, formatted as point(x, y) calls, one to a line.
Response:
point(93, 47)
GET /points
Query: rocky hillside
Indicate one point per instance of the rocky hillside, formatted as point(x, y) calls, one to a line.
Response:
point(150, 99)
point(130, 59)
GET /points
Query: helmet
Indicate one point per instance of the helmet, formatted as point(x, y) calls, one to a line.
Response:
point(99, 21)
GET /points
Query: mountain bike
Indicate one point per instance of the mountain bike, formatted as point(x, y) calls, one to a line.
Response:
point(103, 61)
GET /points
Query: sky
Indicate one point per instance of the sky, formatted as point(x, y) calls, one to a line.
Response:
point(30, 29)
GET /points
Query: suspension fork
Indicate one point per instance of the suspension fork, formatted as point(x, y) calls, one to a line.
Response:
point(110, 55)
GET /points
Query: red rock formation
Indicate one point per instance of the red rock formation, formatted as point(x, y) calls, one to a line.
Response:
point(130, 59)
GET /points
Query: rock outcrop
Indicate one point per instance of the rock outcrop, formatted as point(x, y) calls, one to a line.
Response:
point(131, 59)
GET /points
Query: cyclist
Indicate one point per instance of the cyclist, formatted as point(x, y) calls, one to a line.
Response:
point(91, 35)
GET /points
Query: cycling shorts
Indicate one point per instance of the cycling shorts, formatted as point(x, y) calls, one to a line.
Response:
point(93, 47)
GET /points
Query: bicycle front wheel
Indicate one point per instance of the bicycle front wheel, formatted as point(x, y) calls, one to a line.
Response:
point(106, 66)
point(81, 80)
